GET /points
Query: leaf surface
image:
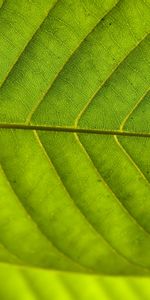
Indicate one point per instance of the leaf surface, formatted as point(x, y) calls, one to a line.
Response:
point(42, 285)
point(76, 200)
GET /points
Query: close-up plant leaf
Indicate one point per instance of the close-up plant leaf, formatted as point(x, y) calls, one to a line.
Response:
point(74, 149)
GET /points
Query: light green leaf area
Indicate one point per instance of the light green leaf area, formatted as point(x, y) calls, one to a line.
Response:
point(74, 145)
point(42, 285)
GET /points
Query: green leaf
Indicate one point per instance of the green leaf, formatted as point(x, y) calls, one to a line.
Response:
point(74, 138)
point(27, 284)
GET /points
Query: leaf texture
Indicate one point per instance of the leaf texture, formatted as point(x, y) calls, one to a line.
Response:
point(69, 200)
point(41, 285)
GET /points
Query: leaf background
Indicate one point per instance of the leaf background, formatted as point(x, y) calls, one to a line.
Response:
point(75, 201)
